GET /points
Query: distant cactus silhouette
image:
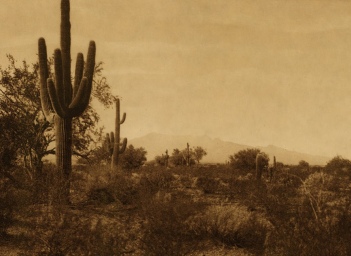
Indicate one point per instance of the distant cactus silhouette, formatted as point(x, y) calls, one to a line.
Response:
point(187, 154)
point(166, 158)
point(58, 98)
point(118, 148)
point(272, 170)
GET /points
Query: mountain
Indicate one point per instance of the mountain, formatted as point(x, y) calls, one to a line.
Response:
point(218, 150)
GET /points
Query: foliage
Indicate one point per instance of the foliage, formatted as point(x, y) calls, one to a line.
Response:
point(160, 160)
point(166, 230)
point(233, 225)
point(339, 165)
point(209, 185)
point(24, 126)
point(133, 158)
point(245, 159)
point(304, 165)
point(178, 157)
point(199, 153)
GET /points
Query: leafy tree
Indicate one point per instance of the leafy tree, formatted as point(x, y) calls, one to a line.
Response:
point(26, 126)
point(245, 159)
point(160, 160)
point(24, 123)
point(177, 157)
point(339, 165)
point(304, 165)
point(133, 158)
point(199, 153)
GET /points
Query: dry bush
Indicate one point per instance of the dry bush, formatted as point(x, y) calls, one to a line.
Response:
point(232, 225)
point(209, 185)
point(166, 231)
point(154, 181)
point(62, 231)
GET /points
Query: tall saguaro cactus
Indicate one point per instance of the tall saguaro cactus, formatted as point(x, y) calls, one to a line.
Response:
point(118, 148)
point(61, 100)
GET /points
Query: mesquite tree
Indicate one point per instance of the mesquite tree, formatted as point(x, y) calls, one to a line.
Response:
point(60, 100)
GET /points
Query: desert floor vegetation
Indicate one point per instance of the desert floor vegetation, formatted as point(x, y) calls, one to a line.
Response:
point(199, 210)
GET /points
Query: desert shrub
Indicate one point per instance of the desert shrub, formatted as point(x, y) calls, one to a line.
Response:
point(232, 225)
point(317, 219)
point(66, 232)
point(12, 201)
point(112, 188)
point(6, 210)
point(339, 166)
point(124, 189)
point(132, 158)
point(101, 195)
point(166, 231)
point(246, 159)
point(242, 186)
point(187, 180)
point(209, 185)
point(152, 182)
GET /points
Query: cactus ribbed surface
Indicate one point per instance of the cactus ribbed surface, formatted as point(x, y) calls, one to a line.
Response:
point(59, 98)
point(118, 148)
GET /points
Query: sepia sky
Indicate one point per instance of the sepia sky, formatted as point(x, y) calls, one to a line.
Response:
point(250, 72)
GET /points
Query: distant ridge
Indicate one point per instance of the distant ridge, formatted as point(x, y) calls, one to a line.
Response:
point(218, 150)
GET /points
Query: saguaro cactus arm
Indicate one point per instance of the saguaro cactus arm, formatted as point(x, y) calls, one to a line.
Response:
point(123, 118)
point(58, 90)
point(44, 75)
point(123, 146)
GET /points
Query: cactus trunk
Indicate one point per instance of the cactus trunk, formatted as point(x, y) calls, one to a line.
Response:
point(63, 133)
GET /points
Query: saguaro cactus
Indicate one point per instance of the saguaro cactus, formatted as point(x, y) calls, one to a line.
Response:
point(59, 98)
point(261, 164)
point(187, 155)
point(166, 158)
point(109, 142)
point(118, 148)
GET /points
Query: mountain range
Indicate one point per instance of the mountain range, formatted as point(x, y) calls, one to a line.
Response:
point(218, 151)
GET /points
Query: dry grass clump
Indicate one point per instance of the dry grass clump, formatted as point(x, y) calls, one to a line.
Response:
point(232, 225)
